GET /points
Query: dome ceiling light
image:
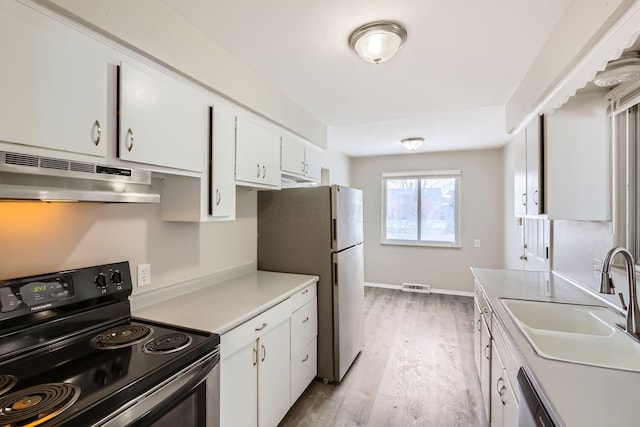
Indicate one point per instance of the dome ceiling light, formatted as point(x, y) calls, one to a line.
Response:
point(621, 70)
point(378, 41)
point(412, 144)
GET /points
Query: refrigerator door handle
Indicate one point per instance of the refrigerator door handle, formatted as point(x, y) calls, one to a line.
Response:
point(335, 228)
point(335, 273)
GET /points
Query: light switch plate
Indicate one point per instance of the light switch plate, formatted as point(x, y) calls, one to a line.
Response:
point(144, 275)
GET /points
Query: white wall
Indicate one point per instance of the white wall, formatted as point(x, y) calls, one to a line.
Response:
point(338, 165)
point(156, 29)
point(481, 218)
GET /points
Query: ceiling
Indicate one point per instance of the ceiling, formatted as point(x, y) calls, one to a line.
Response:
point(449, 83)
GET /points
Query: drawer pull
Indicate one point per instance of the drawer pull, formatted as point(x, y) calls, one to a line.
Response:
point(486, 354)
point(264, 325)
point(255, 356)
point(264, 353)
point(478, 324)
point(306, 319)
point(305, 358)
point(306, 291)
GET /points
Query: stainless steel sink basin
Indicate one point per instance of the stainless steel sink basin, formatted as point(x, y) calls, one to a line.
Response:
point(575, 333)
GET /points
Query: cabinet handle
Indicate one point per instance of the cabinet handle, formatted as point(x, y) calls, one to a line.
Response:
point(264, 171)
point(478, 324)
point(306, 319)
point(306, 357)
point(485, 310)
point(255, 356)
point(130, 139)
point(306, 168)
point(258, 174)
point(264, 353)
point(264, 325)
point(498, 386)
point(303, 166)
point(218, 197)
point(501, 393)
point(486, 348)
point(523, 257)
point(535, 197)
point(524, 199)
point(96, 132)
point(306, 291)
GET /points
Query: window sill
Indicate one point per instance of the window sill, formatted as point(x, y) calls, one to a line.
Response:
point(421, 244)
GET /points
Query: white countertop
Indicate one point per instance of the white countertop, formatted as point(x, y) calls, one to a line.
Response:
point(576, 395)
point(223, 306)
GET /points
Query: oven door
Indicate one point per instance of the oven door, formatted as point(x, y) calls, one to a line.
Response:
point(190, 398)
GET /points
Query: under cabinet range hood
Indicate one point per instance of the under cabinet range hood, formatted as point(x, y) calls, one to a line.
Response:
point(29, 177)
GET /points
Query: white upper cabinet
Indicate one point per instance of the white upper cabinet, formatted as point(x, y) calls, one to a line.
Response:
point(53, 84)
point(162, 121)
point(257, 155)
point(528, 171)
point(578, 160)
point(299, 161)
point(223, 157)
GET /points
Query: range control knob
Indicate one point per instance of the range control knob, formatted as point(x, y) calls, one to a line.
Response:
point(116, 277)
point(101, 280)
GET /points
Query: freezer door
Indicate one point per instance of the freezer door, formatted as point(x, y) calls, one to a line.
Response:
point(346, 212)
point(348, 308)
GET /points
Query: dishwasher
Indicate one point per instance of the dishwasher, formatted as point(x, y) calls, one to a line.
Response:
point(531, 412)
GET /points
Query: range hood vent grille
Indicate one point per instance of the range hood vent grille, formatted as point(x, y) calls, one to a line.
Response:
point(27, 177)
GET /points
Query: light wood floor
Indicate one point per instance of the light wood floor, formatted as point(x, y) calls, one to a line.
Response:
point(416, 369)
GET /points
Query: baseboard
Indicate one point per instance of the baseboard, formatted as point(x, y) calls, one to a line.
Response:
point(433, 290)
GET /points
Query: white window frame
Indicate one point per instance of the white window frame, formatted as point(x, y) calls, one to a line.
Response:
point(456, 174)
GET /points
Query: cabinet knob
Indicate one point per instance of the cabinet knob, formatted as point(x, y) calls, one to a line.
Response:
point(130, 139)
point(96, 132)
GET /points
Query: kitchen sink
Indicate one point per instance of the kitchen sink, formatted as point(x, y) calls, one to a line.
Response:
point(575, 333)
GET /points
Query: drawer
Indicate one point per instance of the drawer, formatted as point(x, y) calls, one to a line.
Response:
point(303, 296)
point(303, 369)
point(304, 326)
point(253, 329)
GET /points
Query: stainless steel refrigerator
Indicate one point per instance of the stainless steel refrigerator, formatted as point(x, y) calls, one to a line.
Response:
point(318, 230)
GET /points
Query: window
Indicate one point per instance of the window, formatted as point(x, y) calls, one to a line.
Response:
point(421, 208)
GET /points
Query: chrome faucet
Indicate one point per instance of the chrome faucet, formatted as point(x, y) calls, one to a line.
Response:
point(607, 287)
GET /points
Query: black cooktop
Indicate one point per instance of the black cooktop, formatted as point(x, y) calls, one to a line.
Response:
point(97, 378)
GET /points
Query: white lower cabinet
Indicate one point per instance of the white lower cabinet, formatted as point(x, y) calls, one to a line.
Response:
point(504, 405)
point(255, 370)
point(268, 361)
point(485, 370)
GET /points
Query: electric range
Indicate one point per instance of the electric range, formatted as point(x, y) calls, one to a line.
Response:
point(72, 355)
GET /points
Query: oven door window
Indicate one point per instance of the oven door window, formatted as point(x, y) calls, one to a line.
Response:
point(190, 412)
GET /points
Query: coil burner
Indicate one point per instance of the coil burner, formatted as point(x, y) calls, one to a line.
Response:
point(120, 336)
point(36, 405)
point(6, 383)
point(168, 343)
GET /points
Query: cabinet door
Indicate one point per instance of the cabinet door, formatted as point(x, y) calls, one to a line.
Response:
point(293, 157)
point(534, 168)
point(314, 169)
point(485, 372)
point(477, 336)
point(274, 375)
point(576, 135)
point(520, 173)
point(238, 385)
point(498, 388)
point(257, 154)
point(163, 122)
point(223, 186)
point(53, 83)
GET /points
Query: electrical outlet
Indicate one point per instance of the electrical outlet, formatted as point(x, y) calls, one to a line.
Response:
point(144, 275)
point(597, 267)
point(476, 243)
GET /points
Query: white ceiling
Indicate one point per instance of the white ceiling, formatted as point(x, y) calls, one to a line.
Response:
point(461, 62)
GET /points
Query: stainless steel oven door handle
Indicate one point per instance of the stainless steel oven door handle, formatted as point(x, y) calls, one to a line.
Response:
point(149, 408)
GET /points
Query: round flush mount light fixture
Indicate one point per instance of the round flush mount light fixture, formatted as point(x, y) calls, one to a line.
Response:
point(412, 144)
point(378, 41)
point(621, 70)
